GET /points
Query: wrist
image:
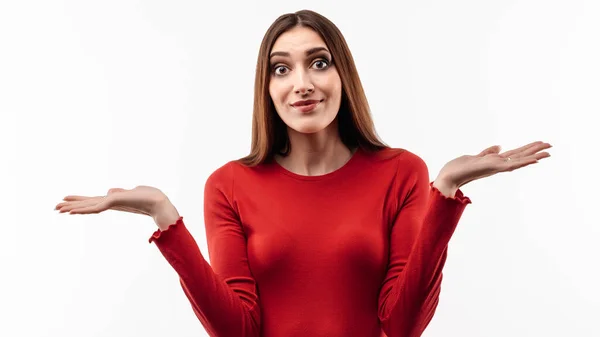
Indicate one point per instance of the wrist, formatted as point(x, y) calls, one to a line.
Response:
point(445, 187)
point(165, 214)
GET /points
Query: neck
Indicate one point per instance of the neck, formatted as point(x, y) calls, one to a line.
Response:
point(316, 153)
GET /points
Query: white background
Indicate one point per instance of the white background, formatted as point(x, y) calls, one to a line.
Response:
point(101, 94)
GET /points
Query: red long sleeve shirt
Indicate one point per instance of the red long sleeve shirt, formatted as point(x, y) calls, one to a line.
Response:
point(356, 252)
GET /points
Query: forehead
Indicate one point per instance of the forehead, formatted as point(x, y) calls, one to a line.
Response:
point(298, 39)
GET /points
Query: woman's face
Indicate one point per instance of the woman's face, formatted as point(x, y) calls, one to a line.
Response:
point(305, 87)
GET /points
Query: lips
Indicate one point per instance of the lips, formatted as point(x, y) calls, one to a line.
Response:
point(305, 102)
point(306, 106)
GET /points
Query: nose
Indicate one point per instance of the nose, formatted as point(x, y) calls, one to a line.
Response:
point(303, 84)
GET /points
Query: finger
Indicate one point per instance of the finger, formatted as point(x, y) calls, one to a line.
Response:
point(97, 209)
point(539, 156)
point(531, 150)
point(83, 197)
point(535, 149)
point(67, 206)
point(514, 152)
point(75, 197)
point(73, 204)
point(495, 149)
point(70, 206)
point(89, 209)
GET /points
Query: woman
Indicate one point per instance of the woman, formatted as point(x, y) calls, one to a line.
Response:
point(322, 230)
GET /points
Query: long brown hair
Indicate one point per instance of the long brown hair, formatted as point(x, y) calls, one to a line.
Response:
point(269, 132)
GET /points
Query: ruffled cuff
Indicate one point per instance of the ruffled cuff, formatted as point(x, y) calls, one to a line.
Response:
point(458, 196)
point(156, 235)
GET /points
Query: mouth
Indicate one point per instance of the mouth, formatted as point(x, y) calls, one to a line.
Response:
point(305, 102)
point(307, 105)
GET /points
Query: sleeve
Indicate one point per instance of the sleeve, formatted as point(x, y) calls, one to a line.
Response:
point(224, 297)
point(419, 240)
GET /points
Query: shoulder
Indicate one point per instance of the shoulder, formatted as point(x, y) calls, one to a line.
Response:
point(411, 175)
point(223, 172)
point(232, 172)
point(405, 162)
point(222, 177)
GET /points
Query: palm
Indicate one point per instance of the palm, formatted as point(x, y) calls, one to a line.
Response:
point(490, 161)
point(140, 200)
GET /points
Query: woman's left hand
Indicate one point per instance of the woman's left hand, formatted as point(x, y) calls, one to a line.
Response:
point(490, 161)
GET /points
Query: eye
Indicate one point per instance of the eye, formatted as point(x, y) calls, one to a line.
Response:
point(321, 64)
point(280, 70)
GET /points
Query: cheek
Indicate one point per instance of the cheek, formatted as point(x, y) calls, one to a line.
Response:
point(277, 93)
point(338, 90)
point(272, 92)
point(333, 85)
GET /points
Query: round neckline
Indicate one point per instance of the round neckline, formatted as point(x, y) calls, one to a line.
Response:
point(355, 156)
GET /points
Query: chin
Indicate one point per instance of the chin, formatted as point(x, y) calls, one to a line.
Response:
point(310, 123)
point(309, 127)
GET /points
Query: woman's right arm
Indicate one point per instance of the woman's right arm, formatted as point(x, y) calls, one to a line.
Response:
point(223, 294)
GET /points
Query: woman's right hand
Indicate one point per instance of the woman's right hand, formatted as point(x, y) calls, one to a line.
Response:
point(145, 200)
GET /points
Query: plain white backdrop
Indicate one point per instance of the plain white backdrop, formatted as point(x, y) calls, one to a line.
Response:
point(95, 95)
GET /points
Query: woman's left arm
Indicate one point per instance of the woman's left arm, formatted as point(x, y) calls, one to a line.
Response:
point(419, 239)
point(422, 230)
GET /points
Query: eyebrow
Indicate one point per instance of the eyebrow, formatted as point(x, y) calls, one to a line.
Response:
point(308, 52)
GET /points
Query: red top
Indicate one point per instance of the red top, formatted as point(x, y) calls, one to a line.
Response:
point(355, 252)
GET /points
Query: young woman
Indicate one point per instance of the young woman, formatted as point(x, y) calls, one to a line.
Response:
point(322, 230)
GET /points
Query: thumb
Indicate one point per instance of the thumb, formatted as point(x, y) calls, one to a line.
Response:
point(490, 150)
point(115, 190)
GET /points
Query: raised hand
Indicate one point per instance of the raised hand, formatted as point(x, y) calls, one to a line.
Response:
point(490, 161)
point(141, 200)
point(145, 200)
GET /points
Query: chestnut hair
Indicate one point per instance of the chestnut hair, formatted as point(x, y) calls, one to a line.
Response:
point(269, 132)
